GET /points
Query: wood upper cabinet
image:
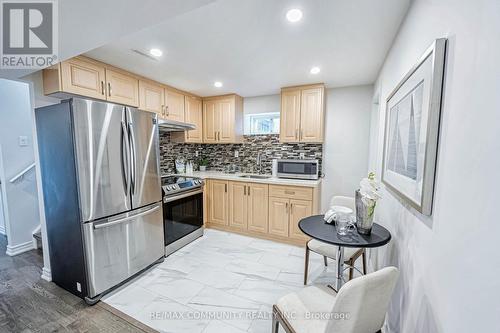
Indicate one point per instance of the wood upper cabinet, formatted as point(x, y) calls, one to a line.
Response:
point(218, 202)
point(209, 122)
point(223, 119)
point(278, 216)
point(122, 88)
point(174, 102)
point(302, 114)
point(86, 77)
point(151, 97)
point(290, 116)
point(77, 76)
point(238, 207)
point(193, 114)
point(258, 203)
point(299, 209)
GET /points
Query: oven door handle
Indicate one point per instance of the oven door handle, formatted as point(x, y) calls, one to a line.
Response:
point(181, 196)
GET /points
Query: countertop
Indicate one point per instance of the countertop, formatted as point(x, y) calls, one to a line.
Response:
point(236, 177)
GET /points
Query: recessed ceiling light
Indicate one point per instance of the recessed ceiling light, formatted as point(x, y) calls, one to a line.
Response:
point(218, 84)
point(315, 70)
point(156, 52)
point(294, 15)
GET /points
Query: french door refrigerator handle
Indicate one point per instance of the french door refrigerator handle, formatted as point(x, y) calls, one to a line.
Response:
point(125, 219)
point(125, 162)
point(133, 152)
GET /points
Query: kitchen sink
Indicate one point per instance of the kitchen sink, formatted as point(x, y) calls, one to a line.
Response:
point(255, 176)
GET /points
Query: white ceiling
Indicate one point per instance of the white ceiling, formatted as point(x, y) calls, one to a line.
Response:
point(253, 50)
point(85, 25)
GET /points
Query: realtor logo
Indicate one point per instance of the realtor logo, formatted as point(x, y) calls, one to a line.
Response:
point(29, 33)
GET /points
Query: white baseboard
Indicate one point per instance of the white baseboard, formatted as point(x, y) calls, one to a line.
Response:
point(2, 229)
point(46, 274)
point(20, 248)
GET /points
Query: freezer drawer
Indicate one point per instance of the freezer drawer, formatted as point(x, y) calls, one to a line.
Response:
point(118, 247)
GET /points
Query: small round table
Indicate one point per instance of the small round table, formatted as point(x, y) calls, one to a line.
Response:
point(315, 227)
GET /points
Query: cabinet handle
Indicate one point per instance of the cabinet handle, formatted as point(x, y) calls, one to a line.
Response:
point(215, 136)
point(245, 190)
point(167, 113)
point(291, 208)
point(109, 89)
point(286, 208)
point(301, 134)
point(218, 136)
point(248, 190)
point(225, 188)
point(296, 134)
point(102, 87)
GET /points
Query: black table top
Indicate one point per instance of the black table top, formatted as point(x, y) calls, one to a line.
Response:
point(317, 228)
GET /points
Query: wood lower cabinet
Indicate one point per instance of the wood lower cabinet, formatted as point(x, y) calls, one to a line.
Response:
point(299, 209)
point(261, 210)
point(258, 203)
point(238, 205)
point(278, 216)
point(218, 202)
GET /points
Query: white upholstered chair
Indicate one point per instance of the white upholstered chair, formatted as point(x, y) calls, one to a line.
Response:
point(359, 307)
point(330, 251)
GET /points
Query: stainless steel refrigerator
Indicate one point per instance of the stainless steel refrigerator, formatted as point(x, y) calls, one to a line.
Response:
point(102, 193)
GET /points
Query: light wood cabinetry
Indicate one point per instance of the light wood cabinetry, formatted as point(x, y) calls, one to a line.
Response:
point(278, 216)
point(151, 97)
point(302, 114)
point(218, 202)
point(223, 119)
point(258, 201)
point(87, 77)
point(238, 206)
point(261, 210)
point(174, 105)
point(76, 76)
point(122, 88)
point(193, 114)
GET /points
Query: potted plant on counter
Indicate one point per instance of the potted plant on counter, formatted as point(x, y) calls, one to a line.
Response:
point(203, 163)
point(366, 201)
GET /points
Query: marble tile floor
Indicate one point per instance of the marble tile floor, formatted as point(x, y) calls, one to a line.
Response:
point(222, 282)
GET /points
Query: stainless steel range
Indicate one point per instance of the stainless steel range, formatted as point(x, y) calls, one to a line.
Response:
point(182, 211)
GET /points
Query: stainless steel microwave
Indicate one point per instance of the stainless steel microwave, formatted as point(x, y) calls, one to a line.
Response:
point(298, 169)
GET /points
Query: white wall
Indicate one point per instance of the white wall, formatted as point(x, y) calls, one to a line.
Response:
point(20, 198)
point(347, 131)
point(449, 262)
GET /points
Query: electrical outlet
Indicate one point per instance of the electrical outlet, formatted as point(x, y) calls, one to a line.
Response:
point(236, 153)
point(301, 155)
point(23, 141)
point(196, 153)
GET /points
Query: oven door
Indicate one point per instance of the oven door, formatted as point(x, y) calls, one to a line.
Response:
point(182, 215)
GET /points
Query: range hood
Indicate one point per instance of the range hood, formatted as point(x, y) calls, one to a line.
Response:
point(166, 125)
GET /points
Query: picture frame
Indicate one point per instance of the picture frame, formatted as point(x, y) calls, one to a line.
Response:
point(412, 121)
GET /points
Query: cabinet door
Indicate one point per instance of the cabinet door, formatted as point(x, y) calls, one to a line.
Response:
point(218, 199)
point(209, 122)
point(258, 202)
point(194, 115)
point(290, 115)
point(298, 210)
point(278, 216)
point(312, 113)
point(151, 97)
point(174, 102)
point(225, 110)
point(83, 78)
point(238, 205)
point(122, 88)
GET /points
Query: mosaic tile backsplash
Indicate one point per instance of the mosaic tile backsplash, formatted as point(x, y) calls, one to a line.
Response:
point(221, 156)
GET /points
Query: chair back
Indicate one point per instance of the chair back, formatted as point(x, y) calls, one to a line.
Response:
point(365, 301)
point(340, 200)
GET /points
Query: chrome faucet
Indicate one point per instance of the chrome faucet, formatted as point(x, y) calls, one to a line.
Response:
point(259, 162)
